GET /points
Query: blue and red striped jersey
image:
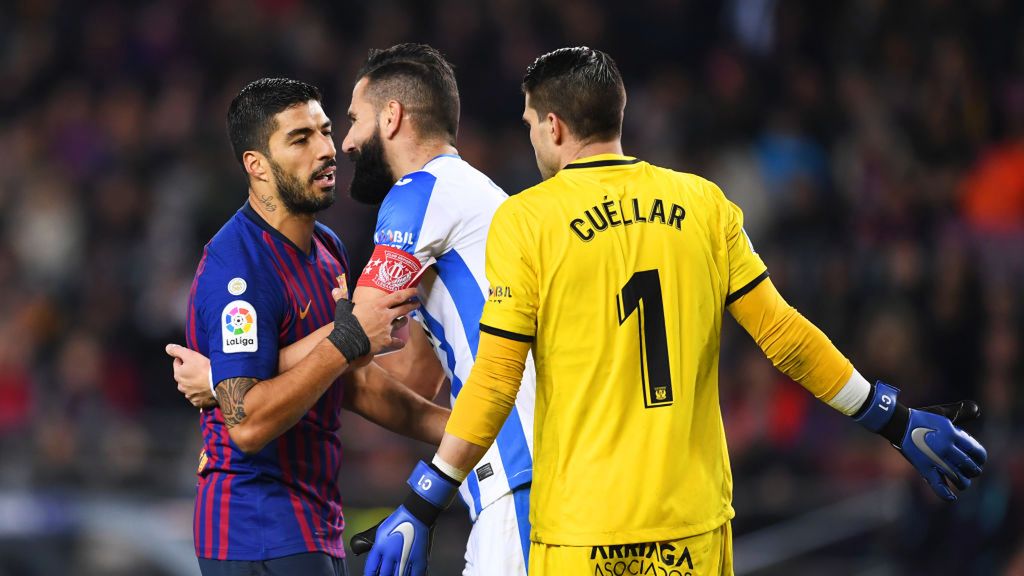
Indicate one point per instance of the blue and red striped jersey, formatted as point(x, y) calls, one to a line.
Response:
point(254, 292)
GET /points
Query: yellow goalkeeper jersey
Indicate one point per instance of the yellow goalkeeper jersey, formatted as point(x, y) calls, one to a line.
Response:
point(619, 272)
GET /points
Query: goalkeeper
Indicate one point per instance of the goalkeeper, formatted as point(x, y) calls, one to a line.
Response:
point(617, 274)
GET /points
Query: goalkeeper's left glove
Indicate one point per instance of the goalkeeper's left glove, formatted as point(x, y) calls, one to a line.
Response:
point(927, 437)
point(400, 544)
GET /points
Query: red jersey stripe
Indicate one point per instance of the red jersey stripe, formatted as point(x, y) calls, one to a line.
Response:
point(297, 508)
point(224, 518)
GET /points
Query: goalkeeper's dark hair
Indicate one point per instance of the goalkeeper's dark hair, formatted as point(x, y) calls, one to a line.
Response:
point(418, 77)
point(583, 87)
point(251, 113)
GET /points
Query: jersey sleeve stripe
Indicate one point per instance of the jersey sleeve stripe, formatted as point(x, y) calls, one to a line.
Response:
point(747, 288)
point(505, 333)
point(466, 293)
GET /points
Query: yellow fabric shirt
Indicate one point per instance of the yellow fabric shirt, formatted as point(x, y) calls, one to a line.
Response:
point(620, 271)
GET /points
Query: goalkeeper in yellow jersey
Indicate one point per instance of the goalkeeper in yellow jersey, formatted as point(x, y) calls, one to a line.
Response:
point(617, 274)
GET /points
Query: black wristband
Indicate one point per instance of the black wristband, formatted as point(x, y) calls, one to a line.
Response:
point(421, 509)
point(348, 335)
point(896, 428)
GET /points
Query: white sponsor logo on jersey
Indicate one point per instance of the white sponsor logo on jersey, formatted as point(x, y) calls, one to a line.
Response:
point(396, 238)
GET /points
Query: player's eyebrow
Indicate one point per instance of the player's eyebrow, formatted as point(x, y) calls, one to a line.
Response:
point(304, 131)
point(326, 125)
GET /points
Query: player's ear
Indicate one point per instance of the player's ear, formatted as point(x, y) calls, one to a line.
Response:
point(256, 165)
point(391, 118)
point(556, 129)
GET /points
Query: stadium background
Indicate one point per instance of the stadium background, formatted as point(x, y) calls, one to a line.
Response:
point(876, 147)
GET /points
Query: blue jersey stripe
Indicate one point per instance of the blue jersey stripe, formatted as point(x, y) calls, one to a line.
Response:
point(466, 295)
point(469, 301)
point(449, 353)
point(474, 490)
point(218, 490)
point(438, 331)
point(514, 453)
point(521, 498)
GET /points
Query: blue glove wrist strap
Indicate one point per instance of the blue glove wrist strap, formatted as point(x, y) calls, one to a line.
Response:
point(880, 409)
point(431, 485)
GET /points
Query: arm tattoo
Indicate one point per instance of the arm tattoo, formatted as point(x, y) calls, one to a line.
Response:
point(268, 202)
point(231, 397)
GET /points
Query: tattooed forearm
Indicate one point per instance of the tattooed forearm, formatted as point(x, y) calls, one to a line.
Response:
point(268, 202)
point(231, 397)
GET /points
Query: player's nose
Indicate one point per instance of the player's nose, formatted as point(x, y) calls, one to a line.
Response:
point(348, 145)
point(328, 150)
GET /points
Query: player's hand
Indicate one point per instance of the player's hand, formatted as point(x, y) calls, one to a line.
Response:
point(400, 544)
point(940, 450)
point(928, 438)
point(192, 373)
point(379, 317)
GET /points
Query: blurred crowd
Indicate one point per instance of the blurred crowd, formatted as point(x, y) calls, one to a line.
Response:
point(876, 148)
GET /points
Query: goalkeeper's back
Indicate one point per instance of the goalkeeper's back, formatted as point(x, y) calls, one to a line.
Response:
point(627, 268)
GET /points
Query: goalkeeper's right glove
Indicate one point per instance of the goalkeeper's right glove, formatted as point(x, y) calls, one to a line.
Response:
point(400, 544)
point(927, 437)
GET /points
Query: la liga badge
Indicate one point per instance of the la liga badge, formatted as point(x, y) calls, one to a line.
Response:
point(239, 327)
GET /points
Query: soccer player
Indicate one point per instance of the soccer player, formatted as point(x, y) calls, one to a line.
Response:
point(431, 231)
point(617, 274)
point(267, 500)
point(435, 210)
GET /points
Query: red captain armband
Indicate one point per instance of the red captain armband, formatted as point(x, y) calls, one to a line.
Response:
point(390, 270)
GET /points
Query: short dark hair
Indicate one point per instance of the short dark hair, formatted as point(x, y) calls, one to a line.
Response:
point(420, 78)
point(251, 114)
point(583, 87)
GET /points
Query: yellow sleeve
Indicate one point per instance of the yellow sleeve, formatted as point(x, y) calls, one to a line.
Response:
point(489, 394)
point(795, 346)
point(746, 269)
point(511, 308)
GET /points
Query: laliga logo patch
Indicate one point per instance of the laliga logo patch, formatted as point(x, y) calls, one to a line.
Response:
point(239, 327)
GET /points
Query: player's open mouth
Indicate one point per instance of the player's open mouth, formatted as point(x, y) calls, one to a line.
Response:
point(325, 179)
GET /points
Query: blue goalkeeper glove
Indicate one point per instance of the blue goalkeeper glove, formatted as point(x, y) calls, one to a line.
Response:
point(400, 544)
point(928, 438)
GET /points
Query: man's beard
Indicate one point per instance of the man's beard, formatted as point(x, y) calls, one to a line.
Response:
point(299, 197)
point(372, 178)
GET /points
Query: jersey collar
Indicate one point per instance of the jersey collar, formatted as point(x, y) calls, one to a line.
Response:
point(258, 220)
point(438, 157)
point(602, 160)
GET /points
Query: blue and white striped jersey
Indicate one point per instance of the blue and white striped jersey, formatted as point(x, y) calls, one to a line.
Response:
point(441, 215)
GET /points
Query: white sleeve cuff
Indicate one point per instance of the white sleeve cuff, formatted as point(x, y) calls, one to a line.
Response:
point(852, 396)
